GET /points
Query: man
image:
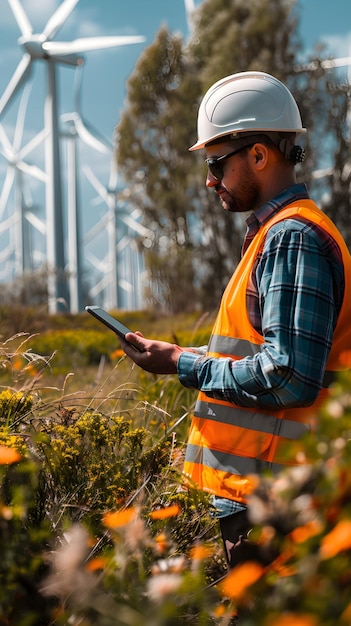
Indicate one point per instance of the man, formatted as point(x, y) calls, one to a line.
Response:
point(283, 324)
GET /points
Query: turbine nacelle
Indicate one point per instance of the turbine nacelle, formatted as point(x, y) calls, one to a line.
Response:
point(34, 46)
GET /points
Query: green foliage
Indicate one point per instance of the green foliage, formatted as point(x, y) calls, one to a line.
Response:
point(92, 462)
point(101, 492)
point(22, 547)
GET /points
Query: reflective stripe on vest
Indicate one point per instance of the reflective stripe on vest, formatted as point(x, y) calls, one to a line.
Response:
point(235, 416)
point(231, 463)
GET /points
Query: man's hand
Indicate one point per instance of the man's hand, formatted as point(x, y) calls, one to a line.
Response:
point(157, 357)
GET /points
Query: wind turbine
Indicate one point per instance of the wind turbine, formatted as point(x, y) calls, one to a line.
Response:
point(41, 47)
point(109, 195)
point(16, 168)
point(189, 12)
point(76, 128)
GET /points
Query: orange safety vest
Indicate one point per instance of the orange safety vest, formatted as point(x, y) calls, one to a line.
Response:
point(228, 442)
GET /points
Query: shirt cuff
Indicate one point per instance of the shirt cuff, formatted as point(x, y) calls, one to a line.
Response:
point(187, 371)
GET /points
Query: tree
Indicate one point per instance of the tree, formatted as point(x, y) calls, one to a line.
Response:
point(151, 139)
point(197, 245)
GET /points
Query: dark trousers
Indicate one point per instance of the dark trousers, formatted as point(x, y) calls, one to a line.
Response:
point(234, 529)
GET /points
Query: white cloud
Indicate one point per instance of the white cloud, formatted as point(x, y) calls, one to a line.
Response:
point(337, 45)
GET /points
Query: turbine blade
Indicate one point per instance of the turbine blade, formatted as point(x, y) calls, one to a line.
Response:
point(33, 143)
point(91, 138)
point(94, 181)
point(61, 48)
point(21, 18)
point(100, 264)
point(58, 18)
point(32, 170)
point(341, 62)
point(6, 144)
point(38, 224)
point(7, 223)
point(9, 178)
point(96, 229)
point(22, 109)
point(136, 226)
point(322, 173)
point(21, 73)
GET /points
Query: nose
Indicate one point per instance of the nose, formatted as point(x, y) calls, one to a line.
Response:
point(211, 181)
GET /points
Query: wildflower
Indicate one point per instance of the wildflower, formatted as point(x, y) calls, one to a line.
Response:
point(240, 578)
point(162, 585)
point(161, 543)
point(310, 529)
point(118, 354)
point(9, 455)
point(200, 553)
point(119, 519)
point(99, 563)
point(337, 540)
point(169, 511)
point(174, 565)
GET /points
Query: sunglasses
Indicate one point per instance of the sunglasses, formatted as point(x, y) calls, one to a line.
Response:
point(215, 164)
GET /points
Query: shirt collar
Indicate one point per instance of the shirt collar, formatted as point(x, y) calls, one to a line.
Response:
point(289, 195)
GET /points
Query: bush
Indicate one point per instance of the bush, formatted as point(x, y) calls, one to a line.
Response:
point(97, 529)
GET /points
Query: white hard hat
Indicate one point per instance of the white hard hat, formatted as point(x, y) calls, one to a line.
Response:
point(246, 102)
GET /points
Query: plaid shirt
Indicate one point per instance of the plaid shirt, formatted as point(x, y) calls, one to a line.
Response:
point(293, 300)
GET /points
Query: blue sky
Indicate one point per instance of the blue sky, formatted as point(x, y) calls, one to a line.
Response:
point(105, 72)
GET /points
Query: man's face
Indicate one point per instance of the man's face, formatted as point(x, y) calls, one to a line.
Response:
point(238, 189)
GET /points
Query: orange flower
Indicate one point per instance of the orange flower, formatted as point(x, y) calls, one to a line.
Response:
point(302, 533)
point(9, 455)
point(96, 564)
point(17, 362)
point(169, 511)
point(337, 540)
point(118, 354)
point(241, 577)
point(161, 543)
point(294, 619)
point(199, 553)
point(119, 518)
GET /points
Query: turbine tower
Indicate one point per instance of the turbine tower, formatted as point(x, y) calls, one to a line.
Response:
point(75, 128)
point(41, 47)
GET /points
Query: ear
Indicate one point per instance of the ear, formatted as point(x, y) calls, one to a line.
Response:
point(260, 155)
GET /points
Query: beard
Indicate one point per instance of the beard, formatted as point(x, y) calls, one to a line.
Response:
point(246, 196)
